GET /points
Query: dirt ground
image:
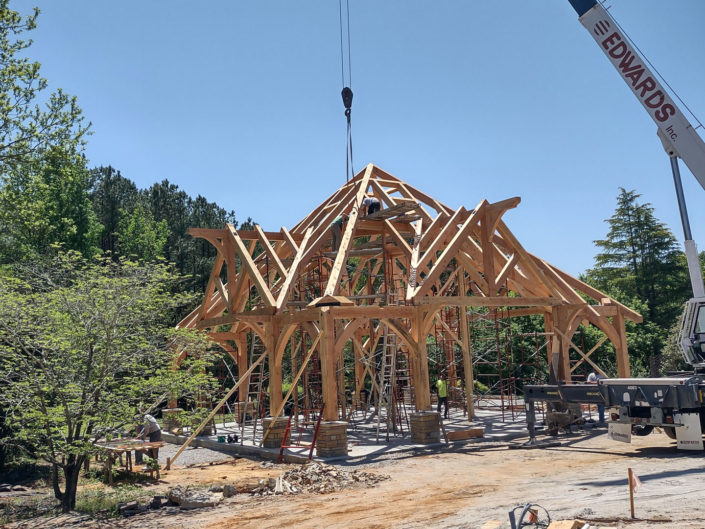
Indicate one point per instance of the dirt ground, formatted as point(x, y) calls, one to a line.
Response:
point(466, 486)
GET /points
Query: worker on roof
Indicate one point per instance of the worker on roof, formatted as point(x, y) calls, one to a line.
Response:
point(442, 390)
point(336, 229)
point(370, 205)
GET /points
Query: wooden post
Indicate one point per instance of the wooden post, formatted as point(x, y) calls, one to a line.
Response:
point(328, 364)
point(422, 386)
point(242, 361)
point(623, 370)
point(467, 353)
point(631, 491)
point(275, 367)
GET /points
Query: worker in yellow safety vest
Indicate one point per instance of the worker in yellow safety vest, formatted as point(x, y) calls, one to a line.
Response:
point(442, 390)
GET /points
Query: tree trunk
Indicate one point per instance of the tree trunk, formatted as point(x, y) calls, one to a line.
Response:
point(71, 475)
point(55, 482)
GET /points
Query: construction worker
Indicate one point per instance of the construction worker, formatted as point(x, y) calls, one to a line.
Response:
point(336, 229)
point(150, 429)
point(370, 205)
point(442, 390)
point(592, 379)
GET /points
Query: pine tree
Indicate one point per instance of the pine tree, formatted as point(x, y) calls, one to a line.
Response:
point(641, 263)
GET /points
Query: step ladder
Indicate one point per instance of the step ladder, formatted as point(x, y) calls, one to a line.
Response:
point(301, 427)
point(387, 385)
point(255, 398)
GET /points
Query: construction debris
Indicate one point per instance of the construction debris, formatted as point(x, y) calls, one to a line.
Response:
point(192, 499)
point(316, 478)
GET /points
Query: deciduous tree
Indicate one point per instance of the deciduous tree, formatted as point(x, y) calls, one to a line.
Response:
point(84, 345)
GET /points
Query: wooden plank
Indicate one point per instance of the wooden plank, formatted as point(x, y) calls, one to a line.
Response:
point(461, 435)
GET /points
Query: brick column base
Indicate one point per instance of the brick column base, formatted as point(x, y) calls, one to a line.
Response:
point(172, 422)
point(276, 434)
point(332, 439)
point(425, 427)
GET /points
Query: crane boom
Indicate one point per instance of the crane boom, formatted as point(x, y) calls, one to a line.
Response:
point(680, 140)
point(675, 129)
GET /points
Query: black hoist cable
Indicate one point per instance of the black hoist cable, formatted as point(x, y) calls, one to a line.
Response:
point(347, 92)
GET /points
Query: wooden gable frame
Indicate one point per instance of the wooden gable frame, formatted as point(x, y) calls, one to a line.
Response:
point(429, 253)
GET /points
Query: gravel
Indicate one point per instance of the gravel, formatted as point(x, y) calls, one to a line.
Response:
point(191, 456)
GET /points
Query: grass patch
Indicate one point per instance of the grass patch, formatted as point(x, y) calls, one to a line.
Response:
point(98, 501)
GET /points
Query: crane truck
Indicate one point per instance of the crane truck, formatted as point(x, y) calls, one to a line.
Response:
point(676, 404)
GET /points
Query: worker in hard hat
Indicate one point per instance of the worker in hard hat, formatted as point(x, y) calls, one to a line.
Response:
point(442, 390)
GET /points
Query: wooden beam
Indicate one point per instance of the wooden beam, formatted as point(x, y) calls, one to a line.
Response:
point(293, 272)
point(267, 246)
point(341, 258)
point(478, 301)
point(508, 266)
point(251, 267)
point(451, 249)
point(398, 239)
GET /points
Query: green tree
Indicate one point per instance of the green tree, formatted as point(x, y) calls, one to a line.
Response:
point(112, 194)
point(27, 129)
point(43, 202)
point(140, 236)
point(84, 346)
point(640, 264)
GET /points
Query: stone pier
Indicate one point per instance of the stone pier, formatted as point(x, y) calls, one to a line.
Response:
point(332, 439)
point(425, 427)
point(276, 434)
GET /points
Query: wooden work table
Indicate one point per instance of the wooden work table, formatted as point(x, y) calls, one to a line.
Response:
point(116, 449)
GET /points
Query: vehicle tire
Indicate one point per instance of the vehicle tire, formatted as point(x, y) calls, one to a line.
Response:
point(640, 430)
point(670, 431)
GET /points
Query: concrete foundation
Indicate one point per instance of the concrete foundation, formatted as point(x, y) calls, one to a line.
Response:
point(425, 427)
point(276, 434)
point(332, 439)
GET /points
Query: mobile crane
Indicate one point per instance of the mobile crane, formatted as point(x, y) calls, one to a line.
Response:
point(676, 404)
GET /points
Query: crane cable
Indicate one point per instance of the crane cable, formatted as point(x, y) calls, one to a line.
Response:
point(347, 92)
point(646, 59)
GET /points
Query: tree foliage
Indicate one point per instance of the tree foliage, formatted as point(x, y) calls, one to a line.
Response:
point(30, 120)
point(640, 264)
point(86, 345)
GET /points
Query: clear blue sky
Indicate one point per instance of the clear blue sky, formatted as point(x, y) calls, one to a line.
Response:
point(239, 101)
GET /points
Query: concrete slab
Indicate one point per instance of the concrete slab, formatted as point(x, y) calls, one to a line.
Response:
point(364, 441)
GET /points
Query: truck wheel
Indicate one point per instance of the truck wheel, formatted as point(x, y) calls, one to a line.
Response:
point(670, 431)
point(641, 430)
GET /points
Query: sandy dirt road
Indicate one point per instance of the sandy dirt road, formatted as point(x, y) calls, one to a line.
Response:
point(474, 486)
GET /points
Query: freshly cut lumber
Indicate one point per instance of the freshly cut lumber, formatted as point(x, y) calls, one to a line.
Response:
point(471, 433)
point(567, 524)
